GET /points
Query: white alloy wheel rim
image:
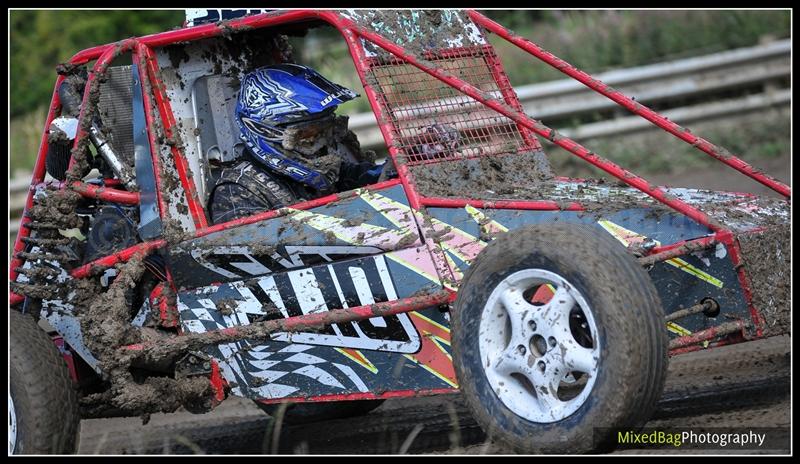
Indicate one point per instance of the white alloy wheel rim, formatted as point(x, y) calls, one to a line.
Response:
point(529, 351)
point(12, 425)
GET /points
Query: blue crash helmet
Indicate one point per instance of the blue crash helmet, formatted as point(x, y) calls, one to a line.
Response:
point(282, 112)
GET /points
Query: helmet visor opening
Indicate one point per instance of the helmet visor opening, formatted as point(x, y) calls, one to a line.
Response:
point(309, 137)
point(269, 133)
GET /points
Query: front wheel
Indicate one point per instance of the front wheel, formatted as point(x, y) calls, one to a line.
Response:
point(43, 411)
point(558, 339)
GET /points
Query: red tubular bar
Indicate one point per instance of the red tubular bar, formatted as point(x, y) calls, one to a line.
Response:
point(168, 119)
point(744, 282)
point(706, 241)
point(711, 333)
point(360, 59)
point(203, 31)
point(414, 200)
point(142, 249)
point(545, 205)
point(635, 107)
point(84, 56)
point(360, 396)
point(215, 29)
point(148, 247)
point(321, 201)
point(105, 193)
point(731, 339)
point(163, 349)
point(539, 128)
point(677, 249)
point(109, 52)
point(139, 55)
point(15, 298)
point(509, 96)
point(37, 178)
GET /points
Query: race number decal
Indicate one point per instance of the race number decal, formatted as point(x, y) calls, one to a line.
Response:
point(345, 284)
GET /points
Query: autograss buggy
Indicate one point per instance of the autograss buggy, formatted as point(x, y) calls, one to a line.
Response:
point(551, 303)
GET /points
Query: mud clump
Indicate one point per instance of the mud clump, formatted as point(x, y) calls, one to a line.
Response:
point(58, 137)
point(37, 291)
point(56, 208)
point(227, 306)
point(417, 31)
point(105, 324)
point(80, 153)
point(767, 260)
point(161, 394)
point(484, 177)
point(105, 318)
point(174, 232)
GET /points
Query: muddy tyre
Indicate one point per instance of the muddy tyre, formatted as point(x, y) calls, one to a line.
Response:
point(43, 404)
point(306, 413)
point(558, 334)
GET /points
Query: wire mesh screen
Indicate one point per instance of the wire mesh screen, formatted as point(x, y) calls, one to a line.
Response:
point(432, 121)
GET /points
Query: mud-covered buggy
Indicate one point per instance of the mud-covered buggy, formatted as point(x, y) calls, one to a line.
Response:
point(551, 303)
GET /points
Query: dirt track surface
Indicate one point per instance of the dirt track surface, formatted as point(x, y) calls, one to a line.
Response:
point(744, 385)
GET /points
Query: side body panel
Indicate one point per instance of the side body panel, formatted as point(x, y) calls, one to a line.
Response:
point(366, 249)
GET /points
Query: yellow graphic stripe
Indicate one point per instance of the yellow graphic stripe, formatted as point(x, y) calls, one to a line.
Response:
point(682, 331)
point(435, 338)
point(469, 240)
point(457, 274)
point(625, 236)
point(380, 203)
point(431, 322)
point(676, 329)
point(328, 223)
point(620, 233)
point(484, 222)
point(359, 358)
point(686, 267)
point(439, 341)
point(340, 227)
point(402, 262)
point(433, 371)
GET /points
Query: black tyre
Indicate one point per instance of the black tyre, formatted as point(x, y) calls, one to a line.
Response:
point(43, 404)
point(305, 413)
point(558, 335)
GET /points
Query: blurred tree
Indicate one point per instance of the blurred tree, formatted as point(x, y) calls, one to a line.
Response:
point(41, 39)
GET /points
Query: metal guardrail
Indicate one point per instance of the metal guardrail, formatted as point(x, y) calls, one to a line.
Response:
point(686, 78)
point(681, 79)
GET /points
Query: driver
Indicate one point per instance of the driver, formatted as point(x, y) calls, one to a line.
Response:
point(296, 146)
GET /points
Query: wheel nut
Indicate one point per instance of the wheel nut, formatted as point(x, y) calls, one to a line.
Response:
point(541, 365)
point(532, 325)
point(521, 350)
point(551, 341)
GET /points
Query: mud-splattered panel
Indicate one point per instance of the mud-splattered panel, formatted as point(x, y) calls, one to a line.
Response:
point(368, 223)
point(407, 351)
point(681, 282)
